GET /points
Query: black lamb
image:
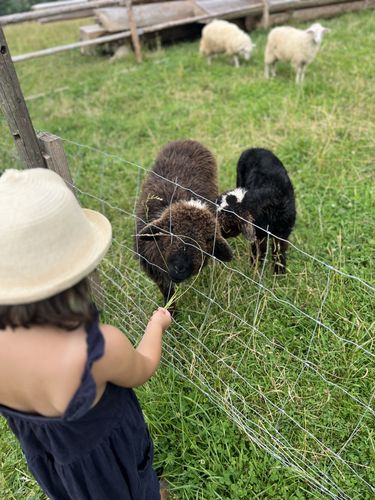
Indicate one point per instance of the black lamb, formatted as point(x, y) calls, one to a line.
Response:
point(264, 197)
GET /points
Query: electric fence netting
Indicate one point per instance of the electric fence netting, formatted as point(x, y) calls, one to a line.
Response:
point(289, 360)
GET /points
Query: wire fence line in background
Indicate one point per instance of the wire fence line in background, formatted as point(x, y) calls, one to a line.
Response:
point(275, 409)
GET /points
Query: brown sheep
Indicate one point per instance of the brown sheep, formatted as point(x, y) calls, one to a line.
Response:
point(176, 215)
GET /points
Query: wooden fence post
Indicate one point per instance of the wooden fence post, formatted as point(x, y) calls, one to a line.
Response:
point(54, 156)
point(133, 30)
point(266, 14)
point(55, 159)
point(15, 110)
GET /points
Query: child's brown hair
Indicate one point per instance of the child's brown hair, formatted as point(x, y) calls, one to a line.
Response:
point(68, 310)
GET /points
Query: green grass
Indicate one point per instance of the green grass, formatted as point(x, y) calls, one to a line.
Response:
point(222, 380)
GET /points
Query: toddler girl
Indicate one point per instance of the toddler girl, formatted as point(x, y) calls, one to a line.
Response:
point(65, 378)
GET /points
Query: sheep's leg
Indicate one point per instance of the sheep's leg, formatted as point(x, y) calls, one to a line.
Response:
point(236, 61)
point(270, 70)
point(209, 60)
point(270, 60)
point(254, 254)
point(279, 250)
point(300, 75)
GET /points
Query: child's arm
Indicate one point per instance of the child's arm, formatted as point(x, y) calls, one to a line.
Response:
point(126, 366)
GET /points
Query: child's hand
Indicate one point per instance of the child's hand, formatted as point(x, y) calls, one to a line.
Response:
point(162, 316)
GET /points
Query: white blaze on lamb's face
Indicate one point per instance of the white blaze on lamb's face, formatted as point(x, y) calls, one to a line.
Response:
point(197, 204)
point(238, 193)
point(234, 215)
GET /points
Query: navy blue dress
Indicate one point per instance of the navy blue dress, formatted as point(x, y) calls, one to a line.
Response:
point(99, 453)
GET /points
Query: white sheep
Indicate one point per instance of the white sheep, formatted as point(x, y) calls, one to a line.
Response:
point(299, 47)
point(220, 37)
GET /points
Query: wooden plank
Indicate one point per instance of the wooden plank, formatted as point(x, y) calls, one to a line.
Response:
point(253, 8)
point(13, 106)
point(37, 14)
point(223, 8)
point(67, 17)
point(62, 3)
point(214, 8)
point(322, 11)
point(71, 46)
point(198, 11)
point(90, 32)
point(284, 5)
point(116, 18)
point(328, 11)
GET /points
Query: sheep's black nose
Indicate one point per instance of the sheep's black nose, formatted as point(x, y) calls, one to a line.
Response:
point(179, 270)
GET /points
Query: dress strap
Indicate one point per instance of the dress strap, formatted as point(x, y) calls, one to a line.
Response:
point(85, 395)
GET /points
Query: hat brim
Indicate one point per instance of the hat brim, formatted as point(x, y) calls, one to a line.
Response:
point(79, 269)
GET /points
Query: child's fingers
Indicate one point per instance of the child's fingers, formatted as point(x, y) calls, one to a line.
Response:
point(164, 316)
point(164, 311)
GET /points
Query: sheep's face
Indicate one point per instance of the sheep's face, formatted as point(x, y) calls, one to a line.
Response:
point(246, 50)
point(317, 31)
point(184, 235)
point(234, 216)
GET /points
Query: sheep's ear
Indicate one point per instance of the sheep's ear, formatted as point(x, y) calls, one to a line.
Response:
point(222, 250)
point(248, 231)
point(151, 231)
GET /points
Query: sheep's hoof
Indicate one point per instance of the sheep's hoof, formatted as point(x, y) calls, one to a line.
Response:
point(279, 269)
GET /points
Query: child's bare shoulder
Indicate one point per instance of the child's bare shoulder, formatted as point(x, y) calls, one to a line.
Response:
point(116, 342)
point(110, 330)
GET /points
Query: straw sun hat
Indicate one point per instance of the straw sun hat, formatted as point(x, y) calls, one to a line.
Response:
point(48, 243)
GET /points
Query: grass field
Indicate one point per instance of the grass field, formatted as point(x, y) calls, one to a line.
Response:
point(234, 371)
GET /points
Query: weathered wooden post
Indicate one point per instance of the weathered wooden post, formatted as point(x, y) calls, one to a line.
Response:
point(266, 14)
point(15, 110)
point(45, 150)
point(54, 156)
point(133, 30)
